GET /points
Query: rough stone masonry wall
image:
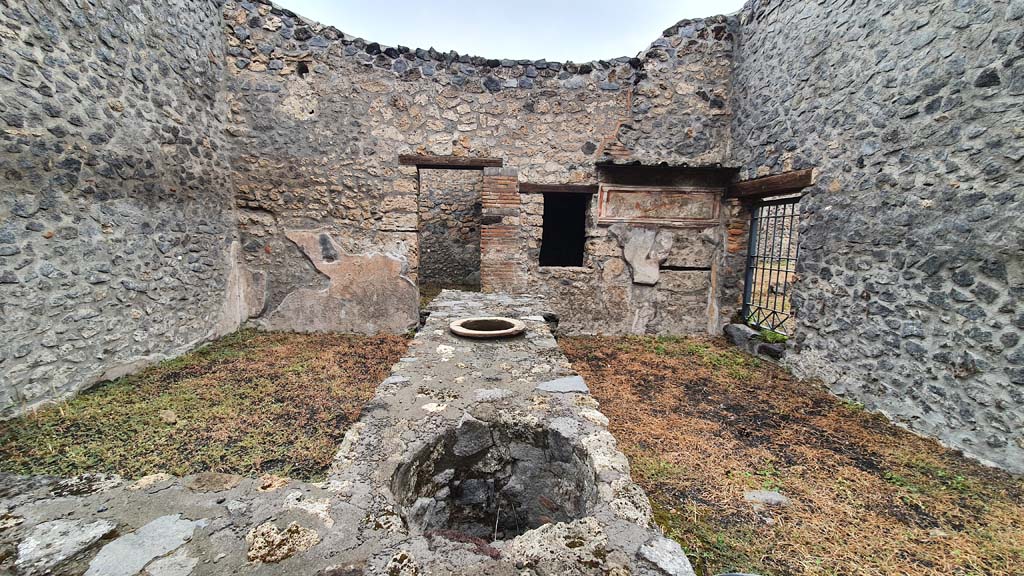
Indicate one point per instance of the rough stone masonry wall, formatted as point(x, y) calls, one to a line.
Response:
point(636, 279)
point(911, 269)
point(115, 212)
point(318, 119)
point(680, 105)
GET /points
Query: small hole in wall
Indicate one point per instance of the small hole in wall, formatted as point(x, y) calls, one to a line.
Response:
point(302, 68)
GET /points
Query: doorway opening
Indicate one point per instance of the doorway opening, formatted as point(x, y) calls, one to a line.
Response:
point(449, 209)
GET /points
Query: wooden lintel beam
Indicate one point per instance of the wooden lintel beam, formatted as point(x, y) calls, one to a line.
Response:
point(450, 162)
point(530, 188)
point(787, 183)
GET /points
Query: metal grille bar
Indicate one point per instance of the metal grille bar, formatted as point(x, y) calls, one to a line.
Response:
point(771, 264)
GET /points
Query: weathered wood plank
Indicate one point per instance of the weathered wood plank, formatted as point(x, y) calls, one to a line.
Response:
point(531, 188)
point(451, 162)
point(788, 182)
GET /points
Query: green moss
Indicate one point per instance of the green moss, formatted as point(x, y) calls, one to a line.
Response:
point(772, 337)
point(655, 469)
point(710, 355)
point(898, 480)
point(852, 405)
point(707, 543)
point(934, 477)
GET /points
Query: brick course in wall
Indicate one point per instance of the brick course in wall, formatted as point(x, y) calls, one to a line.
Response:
point(501, 246)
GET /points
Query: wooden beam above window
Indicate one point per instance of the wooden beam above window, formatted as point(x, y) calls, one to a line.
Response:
point(779, 184)
point(530, 188)
point(449, 162)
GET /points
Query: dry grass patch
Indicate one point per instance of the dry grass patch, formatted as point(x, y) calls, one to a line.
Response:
point(702, 423)
point(249, 403)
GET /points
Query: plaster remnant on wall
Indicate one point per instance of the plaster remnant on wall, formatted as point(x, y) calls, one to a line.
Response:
point(644, 249)
point(366, 294)
point(244, 294)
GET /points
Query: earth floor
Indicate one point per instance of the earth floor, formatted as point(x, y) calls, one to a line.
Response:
point(705, 426)
point(250, 403)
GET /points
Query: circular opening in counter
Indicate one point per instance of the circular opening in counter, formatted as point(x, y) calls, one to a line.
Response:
point(487, 327)
point(494, 483)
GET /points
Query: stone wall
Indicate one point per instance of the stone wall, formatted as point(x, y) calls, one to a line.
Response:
point(116, 224)
point(637, 278)
point(680, 105)
point(449, 227)
point(318, 119)
point(911, 276)
point(142, 140)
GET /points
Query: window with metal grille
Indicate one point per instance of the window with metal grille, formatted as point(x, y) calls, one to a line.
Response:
point(771, 264)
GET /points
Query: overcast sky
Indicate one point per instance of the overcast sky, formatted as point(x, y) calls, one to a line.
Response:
point(558, 30)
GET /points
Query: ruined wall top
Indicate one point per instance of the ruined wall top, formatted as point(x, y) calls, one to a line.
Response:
point(301, 40)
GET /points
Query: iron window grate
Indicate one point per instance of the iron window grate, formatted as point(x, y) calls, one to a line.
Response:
point(771, 264)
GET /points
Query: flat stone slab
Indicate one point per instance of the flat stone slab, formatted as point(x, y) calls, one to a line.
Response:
point(492, 394)
point(50, 544)
point(129, 554)
point(177, 564)
point(765, 498)
point(565, 385)
point(667, 555)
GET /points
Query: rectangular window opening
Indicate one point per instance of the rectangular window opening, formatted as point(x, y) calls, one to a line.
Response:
point(771, 264)
point(564, 234)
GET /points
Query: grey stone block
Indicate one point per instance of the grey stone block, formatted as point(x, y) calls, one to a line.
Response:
point(52, 543)
point(130, 553)
point(741, 334)
point(565, 385)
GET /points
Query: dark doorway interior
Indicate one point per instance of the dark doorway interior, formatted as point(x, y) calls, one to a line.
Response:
point(564, 234)
point(449, 229)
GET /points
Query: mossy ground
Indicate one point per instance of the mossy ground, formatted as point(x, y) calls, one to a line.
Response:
point(702, 423)
point(249, 403)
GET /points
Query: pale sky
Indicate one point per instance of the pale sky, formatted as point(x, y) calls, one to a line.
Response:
point(558, 30)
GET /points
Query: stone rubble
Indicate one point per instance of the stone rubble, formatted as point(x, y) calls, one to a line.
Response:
point(269, 544)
